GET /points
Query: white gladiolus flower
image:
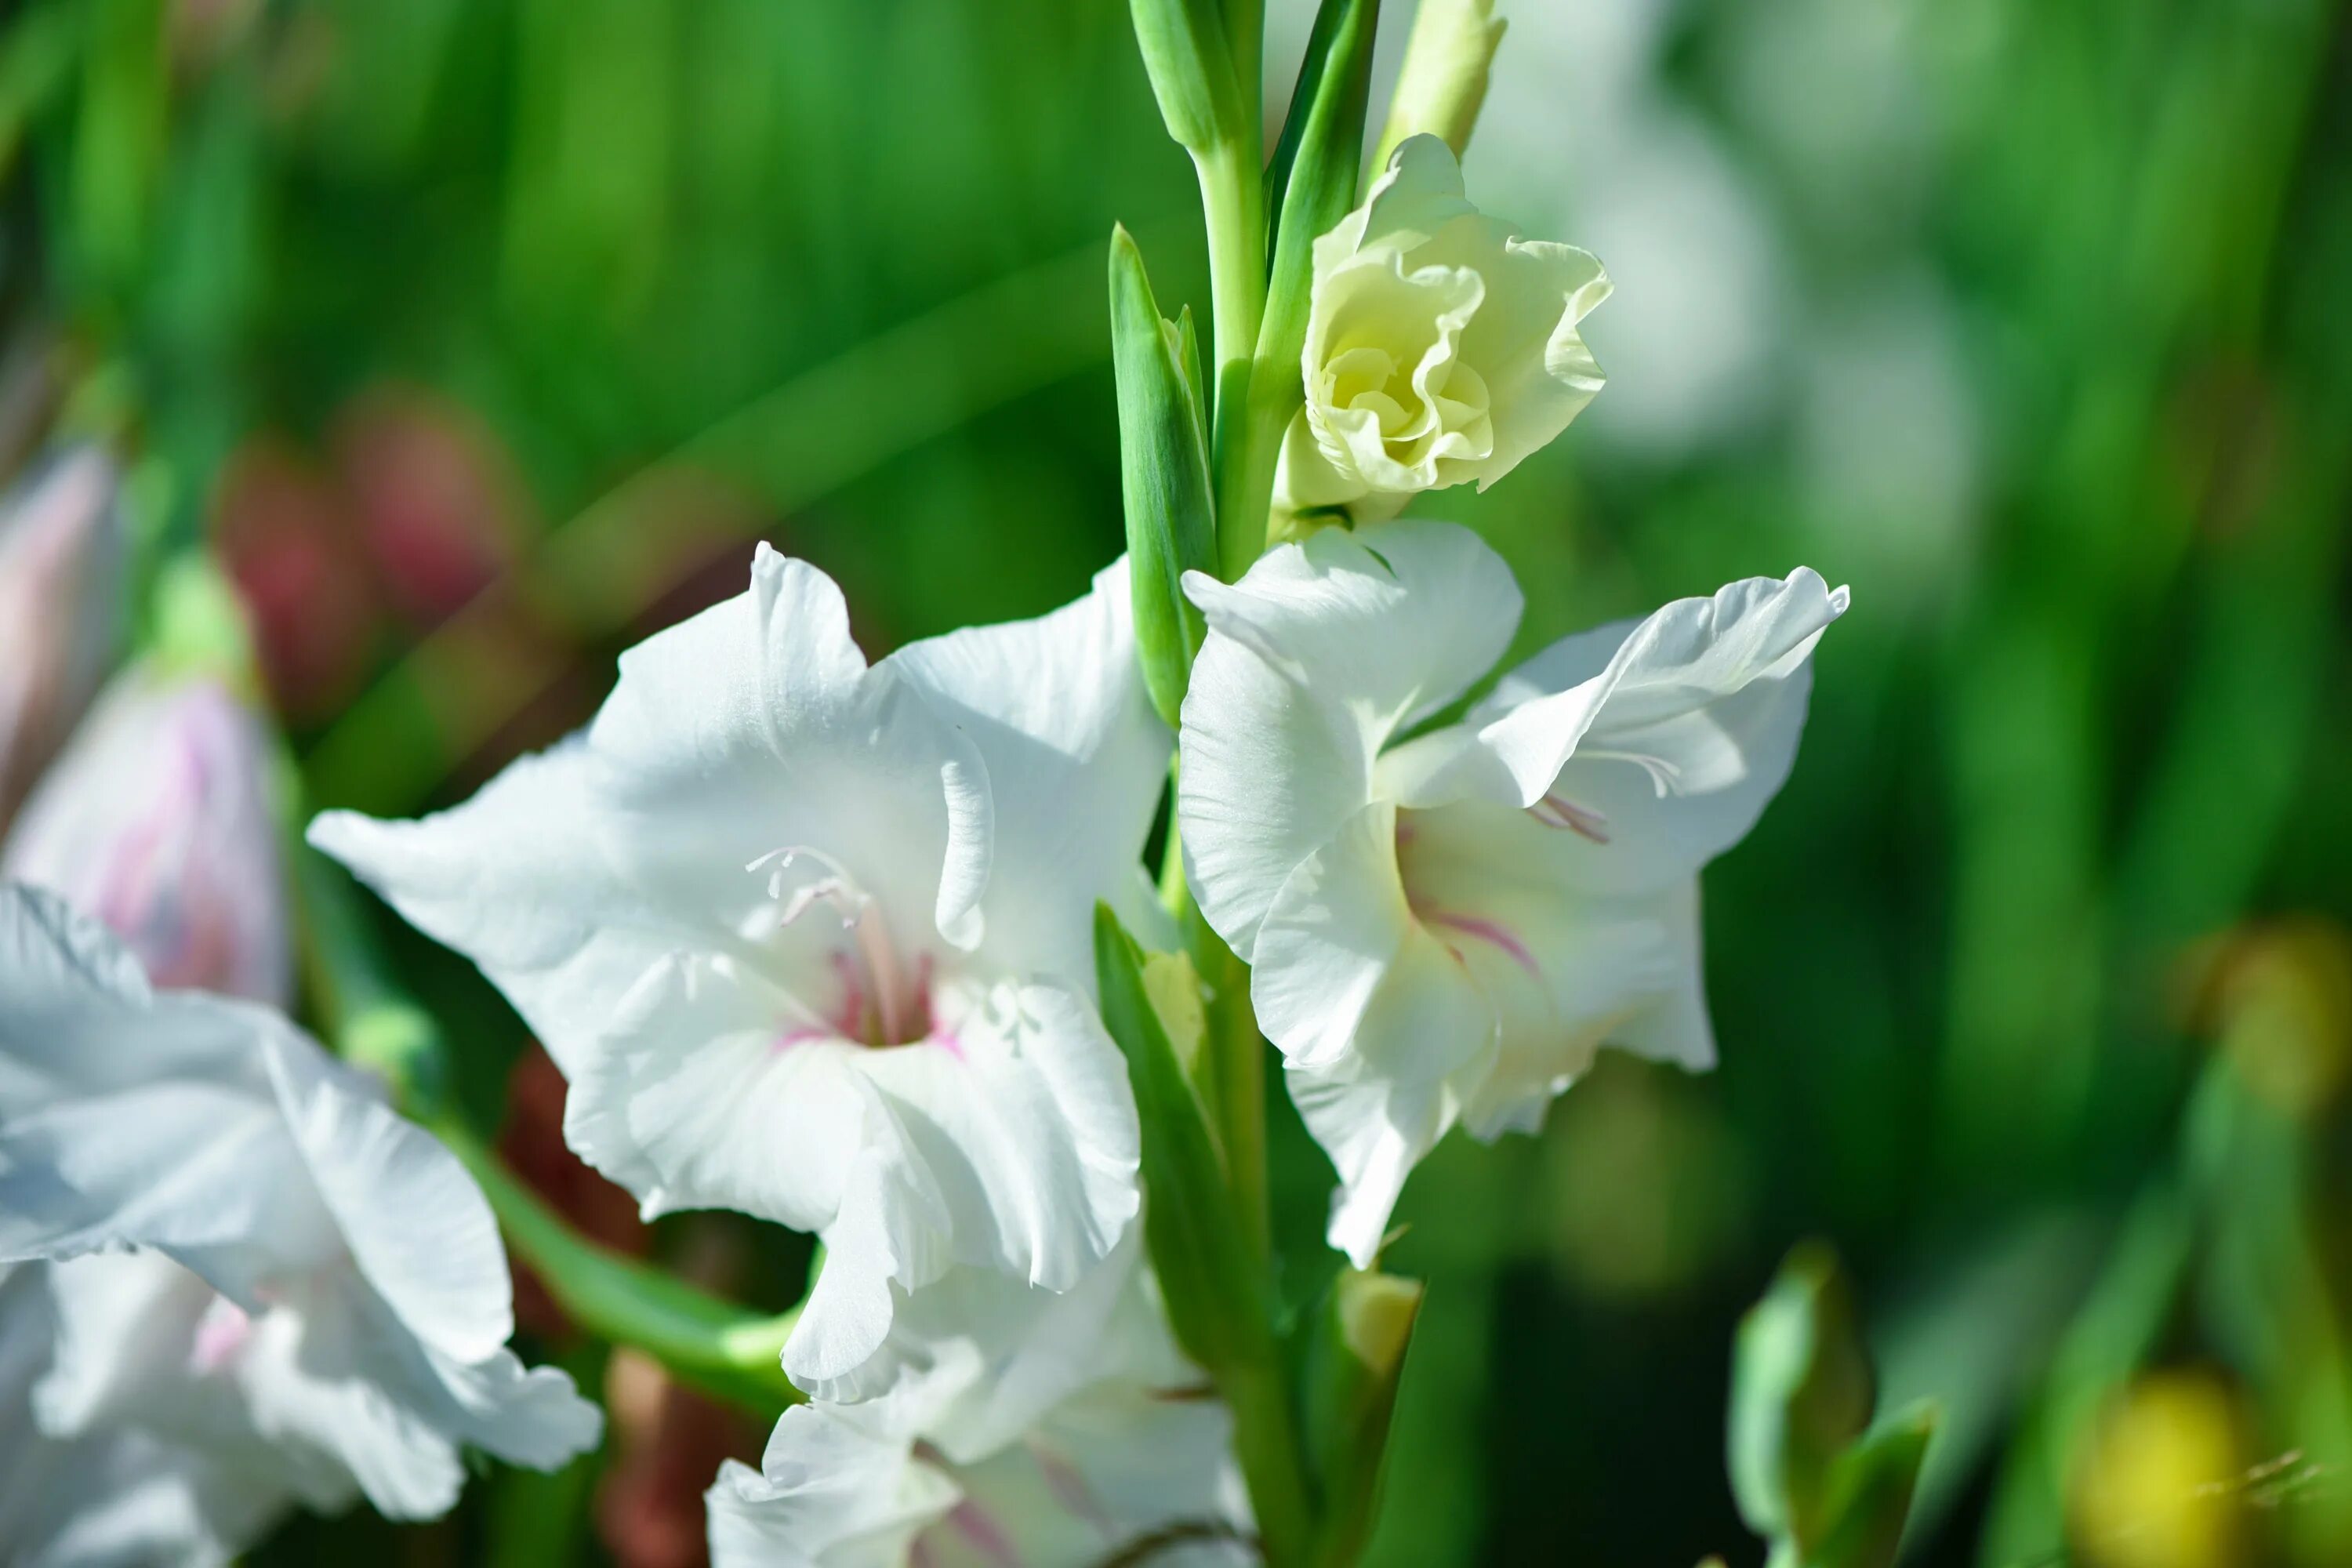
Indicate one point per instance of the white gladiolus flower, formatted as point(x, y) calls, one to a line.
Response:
point(266, 1286)
point(1446, 926)
point(1441, 349)
point(156, 820)
point(811, 938)
point(1088, 1437)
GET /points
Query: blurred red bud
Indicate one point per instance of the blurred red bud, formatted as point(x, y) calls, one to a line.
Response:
point(287, 538)
point(436, 505)
point(667, 1441)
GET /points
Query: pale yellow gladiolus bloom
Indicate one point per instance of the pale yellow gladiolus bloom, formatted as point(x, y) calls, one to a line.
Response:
point(1442, 348)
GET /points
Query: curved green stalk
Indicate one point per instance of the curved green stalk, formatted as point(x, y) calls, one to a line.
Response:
point(703, 1339)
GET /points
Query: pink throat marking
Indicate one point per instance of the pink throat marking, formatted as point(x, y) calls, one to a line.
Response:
point(881, 1004)
point(1486, 930)
point(221, 1333)
point(976, 1525)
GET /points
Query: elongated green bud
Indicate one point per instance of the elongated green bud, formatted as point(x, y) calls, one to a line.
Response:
point(1164, 480)
point(1216, 1295)
point(1443, 84)
point(1214, 1305)
point(1801, 1392)
point(1190, 63)
point(1352, 1366)
point(1809, 1472)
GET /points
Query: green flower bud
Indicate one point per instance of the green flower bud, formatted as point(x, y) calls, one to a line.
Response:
point(1190, 63)
point(1353, 1363)
point(1442, 83)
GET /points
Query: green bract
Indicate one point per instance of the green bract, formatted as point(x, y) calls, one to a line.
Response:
point(1353, 1364)
point(1443, 83)
point(1163, 452)
point(1190, 62)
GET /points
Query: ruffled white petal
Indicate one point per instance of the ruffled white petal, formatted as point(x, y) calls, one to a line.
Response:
point(1017, 1130)
point(1414, 198)
point(975, 1359)
point(289, 1282)
point(1119, 1467)
point(812, 940)
point(1702, 701)
point(516, 878)
point(751, 730)
point(829, 1493)
point(1075, 758)
point(417, 1227)
point(1314, 660)
point(1440, 348)
point(757, 725)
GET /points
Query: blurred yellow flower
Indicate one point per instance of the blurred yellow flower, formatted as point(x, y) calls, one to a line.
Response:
point(2277, 997)
point(2154, 1483)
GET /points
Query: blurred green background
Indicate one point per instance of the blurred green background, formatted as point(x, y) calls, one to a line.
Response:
point(482, 336)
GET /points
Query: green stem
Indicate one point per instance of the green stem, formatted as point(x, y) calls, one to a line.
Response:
point(1233, 1078)
point(1233, 205)
point(1249, 449)
point(704, 1339)
point(1266, 1446)
point(1231, 1074)
point(1232, 209)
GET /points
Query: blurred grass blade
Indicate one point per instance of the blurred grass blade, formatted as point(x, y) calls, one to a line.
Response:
point(832, 424)
point(1869, 1494)
point(36, 54)
point(118, 144)
point(1163, 454)
point(1217, 1299)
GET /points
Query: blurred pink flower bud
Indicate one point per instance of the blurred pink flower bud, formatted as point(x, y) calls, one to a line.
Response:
point(61, 568)
point(156, 820)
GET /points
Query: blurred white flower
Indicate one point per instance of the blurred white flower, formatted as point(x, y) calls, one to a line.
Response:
point(1442, 348)
point(256, 1267)
point(811, 939)
point(61, 588)
point(1587, 127)
point(1448, 926)
point(1089, 1437)
point(157, 821)
point(104, 1498)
